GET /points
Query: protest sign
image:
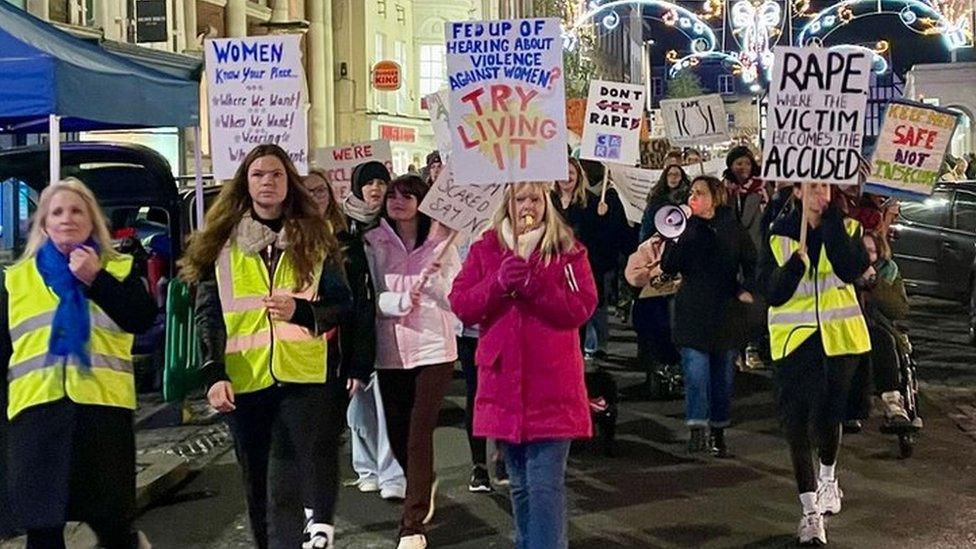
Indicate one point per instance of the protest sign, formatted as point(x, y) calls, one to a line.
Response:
point(575, 115)
point(653, 152)
point(255, 96)
point(695, 121)
point(614, 112)
point(911, 147)
point(464, 209)
point(815, 120)
point(437, 109)
point(338, 162)
point(507, 107)
point(714, 167)
point(633, 185)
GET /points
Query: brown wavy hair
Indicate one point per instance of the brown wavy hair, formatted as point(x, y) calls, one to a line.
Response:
point(310, 240)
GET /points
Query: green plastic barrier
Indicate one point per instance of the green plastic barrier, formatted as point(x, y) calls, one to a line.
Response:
point(181, 375)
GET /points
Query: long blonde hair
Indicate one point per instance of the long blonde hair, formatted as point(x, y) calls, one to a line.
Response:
point(310, 242)
point(557, 236)
point(100, 233)
point(582, 183)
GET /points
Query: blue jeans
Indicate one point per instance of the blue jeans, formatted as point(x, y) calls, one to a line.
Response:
point(537, 471)
point(708, 387)
point(372, 457)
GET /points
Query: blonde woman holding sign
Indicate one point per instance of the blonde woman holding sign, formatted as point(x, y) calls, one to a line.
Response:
point(527, 284)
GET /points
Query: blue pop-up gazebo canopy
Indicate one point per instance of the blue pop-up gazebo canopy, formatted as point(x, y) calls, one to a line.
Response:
point(45, 71)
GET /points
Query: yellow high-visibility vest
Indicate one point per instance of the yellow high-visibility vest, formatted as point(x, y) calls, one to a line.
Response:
point(823, 302)
point(35, 377)
point(260, 351)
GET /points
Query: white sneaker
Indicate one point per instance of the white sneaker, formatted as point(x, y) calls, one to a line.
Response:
point(318, 535)
point(433, 496)
point(143, 540)
point(811, 530)
point(394, 492)
point(829, 495)
point(416, 541)
point(368, 485)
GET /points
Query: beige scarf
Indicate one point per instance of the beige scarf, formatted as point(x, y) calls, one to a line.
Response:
point(527, 242)
point(253, 236)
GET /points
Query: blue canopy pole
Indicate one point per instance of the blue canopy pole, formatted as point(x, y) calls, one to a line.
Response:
point(54, 144)
point(198, 179)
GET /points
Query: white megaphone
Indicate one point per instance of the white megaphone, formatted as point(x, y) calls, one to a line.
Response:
point(670, 221)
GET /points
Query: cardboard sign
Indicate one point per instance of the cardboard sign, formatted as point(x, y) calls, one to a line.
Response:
point(463, 208)
point(714, 167)
point(633, 185)
point(911, 146)
point(339, 162)
point(815, 119)
point(653, 152)
point(438, 112)
point(507, 107)
point(612, 130)
point(256, 95)
point(575, 115)
point(695, 121)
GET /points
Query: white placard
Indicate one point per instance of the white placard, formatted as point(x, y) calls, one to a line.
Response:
point(714, 167)
point(339, 162)
point(815, 119)
point(507, 107)
point(695, 121)
point(256, 95)
point(612, 127)
point(464, 208)
point(911, 147)
point(633, 185)
point(437, 109)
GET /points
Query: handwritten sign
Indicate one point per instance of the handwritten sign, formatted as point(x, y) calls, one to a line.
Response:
point(695, 121)
point(438, 111)
point(911, 147)
point(614, 112)
point(465, 209)
point(507, 101)
point(256, 96)
point(338, 162)
point(633, 185)
point(815, 122)
point(653, 152)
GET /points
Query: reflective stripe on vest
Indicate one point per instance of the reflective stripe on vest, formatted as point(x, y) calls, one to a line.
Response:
point(260, 351)
point(822, 301)
point(36, 377)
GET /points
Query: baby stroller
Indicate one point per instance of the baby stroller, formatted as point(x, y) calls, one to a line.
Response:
point(907, 386)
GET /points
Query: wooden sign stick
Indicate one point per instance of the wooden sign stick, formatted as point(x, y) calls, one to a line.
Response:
point(602, 208)
point(805, 189)
point(514, 217)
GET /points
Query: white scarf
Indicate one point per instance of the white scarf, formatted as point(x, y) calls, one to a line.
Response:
point(527, 242)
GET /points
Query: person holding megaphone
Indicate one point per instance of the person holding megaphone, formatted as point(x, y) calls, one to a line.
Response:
point(712, 252)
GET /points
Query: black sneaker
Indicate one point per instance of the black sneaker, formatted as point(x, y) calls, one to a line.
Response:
point(698, 441)
point(501, 474)
point(479, 480)
point(719, 448)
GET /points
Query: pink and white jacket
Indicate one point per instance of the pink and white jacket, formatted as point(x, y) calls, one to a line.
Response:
point(407, 337)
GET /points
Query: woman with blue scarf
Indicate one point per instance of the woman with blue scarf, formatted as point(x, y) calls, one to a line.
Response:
point(69, 308)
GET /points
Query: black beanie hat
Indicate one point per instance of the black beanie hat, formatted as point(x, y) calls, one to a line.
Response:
point(737, 153)
point(366, 172)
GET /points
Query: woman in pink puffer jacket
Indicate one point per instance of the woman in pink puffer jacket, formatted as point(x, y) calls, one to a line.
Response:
point(531, 395)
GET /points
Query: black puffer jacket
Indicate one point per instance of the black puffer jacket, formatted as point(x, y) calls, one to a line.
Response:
point(711, 256)
point(357, 333)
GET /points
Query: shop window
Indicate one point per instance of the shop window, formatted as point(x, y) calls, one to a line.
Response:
point(726, 84)
point(433, 68)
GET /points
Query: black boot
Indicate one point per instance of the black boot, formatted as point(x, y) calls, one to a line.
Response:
point(697, 441)
point(718, 446)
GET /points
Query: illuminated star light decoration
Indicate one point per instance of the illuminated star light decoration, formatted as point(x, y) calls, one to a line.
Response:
point(756, 26)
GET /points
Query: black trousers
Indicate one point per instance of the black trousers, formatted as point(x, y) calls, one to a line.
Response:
point(298, 426)
point(478, 445)
point(813, 393)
